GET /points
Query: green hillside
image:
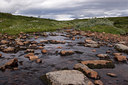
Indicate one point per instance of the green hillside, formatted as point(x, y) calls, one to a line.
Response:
point(14, 24)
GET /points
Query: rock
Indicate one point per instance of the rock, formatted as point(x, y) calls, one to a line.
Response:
point(0, 55)
point(30, 50)
point(38, 61)
point(120, 58)
point(108, 51)
point(10, 64)
point(20, 43)
point(32, 58)
point(87, 71)
point(56, 42)
point(90, 41)
point(4, 42)
point(73, 38)
point(121, 47)
point(98, 82)
point(66, 52)
point(29, 54)
point(66, 77)
point(44, 41)
point(40, 47)
point(98, 64)
point(9, 49)
point(117, 54)
point(94, 50)
point(103, 56)
point(59, 47)
point(44, 51)
point(92, 45)
point(111, 74)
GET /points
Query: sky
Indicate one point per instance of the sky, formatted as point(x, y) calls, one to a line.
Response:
point(66, 9)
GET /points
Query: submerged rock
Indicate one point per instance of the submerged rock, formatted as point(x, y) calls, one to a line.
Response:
point(99, 64)
point(87, 71)
point(10, 64)
point(66, 77)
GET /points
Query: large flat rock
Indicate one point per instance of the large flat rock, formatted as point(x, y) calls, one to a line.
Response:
point(121, 47)
point(98, 64)
point(66, 77)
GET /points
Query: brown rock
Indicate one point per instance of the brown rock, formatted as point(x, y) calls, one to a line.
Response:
point(90, 41)
point(73, 38)
point(38, 61)
point(40, 47)
point(10, 64)
point(99, 64)
point(112, 74)
point(32, 58)
point(30, 50)
point(117, 54)
point(66, 52)
point(0, 55)
point(89, 72)
point(59, 47)
point(29, 54)
point(44, 51)
point(19, 43)
point(4, 42)
point(98, 82)
point(121, 58)
point(9, 49)
point(94, 50)
point(103, 56)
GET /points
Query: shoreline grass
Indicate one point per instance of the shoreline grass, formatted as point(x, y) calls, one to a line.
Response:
point(14, 24)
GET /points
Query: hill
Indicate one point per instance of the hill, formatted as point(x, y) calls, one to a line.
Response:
point(14, 24)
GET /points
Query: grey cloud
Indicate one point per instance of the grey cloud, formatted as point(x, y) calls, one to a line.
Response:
point(66, 9)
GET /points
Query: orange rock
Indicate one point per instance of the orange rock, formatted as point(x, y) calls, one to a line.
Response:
point(59, 47)
point(29, 54)
point(10, 64)
point(98, 82)
point(73, 38)
point(93, 50)
point(40, 47)
point(38, 61)
point(44, 41)
point(0, 55)
point(98, 63)
point(117, 54)
point(66, 52)
point(89, 72)
point(33, 58)
point(121, 58)
point(112, 74)
point(44, 51)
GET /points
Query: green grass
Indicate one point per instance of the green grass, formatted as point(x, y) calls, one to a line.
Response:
point(14, 24)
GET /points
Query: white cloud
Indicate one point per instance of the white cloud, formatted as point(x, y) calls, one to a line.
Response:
point(65, 9)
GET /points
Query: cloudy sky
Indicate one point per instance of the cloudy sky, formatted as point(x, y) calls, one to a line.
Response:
point(66, 9)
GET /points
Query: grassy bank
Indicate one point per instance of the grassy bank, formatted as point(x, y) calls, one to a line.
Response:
point(13, 24)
